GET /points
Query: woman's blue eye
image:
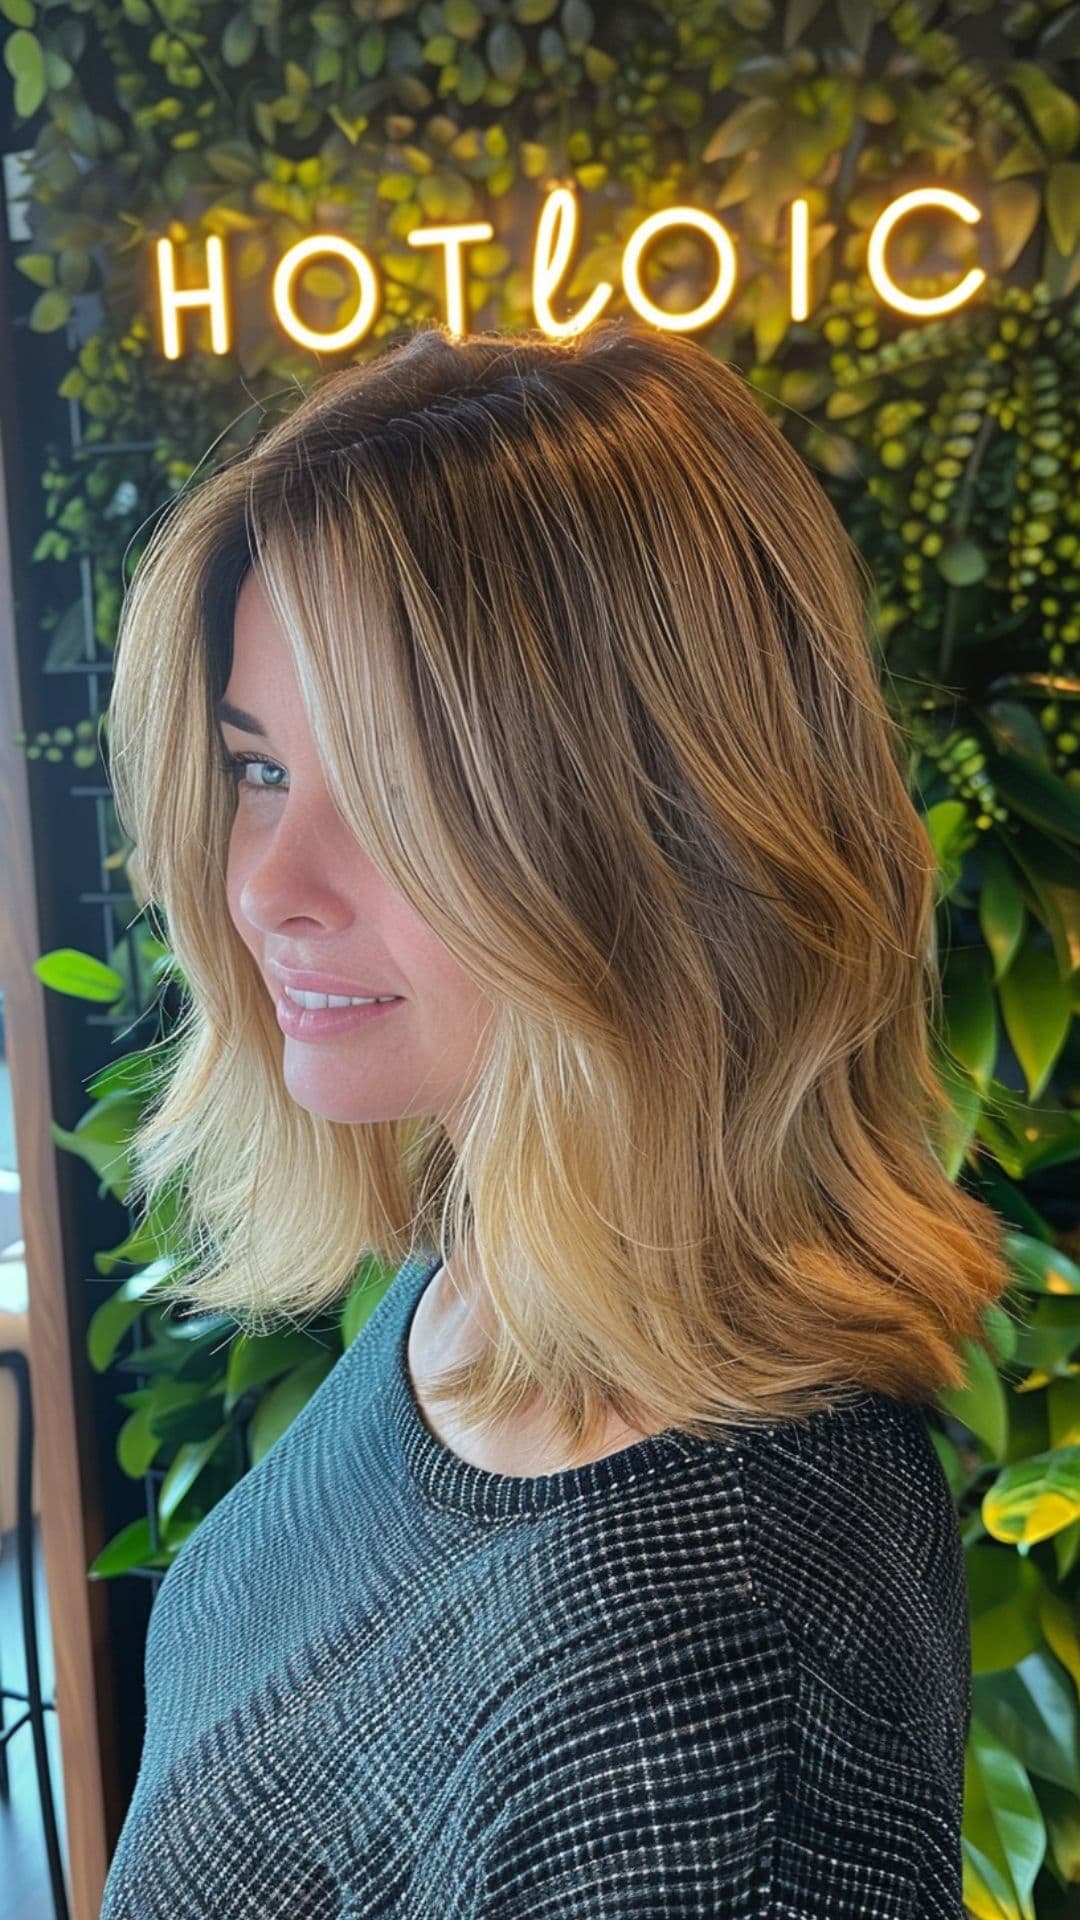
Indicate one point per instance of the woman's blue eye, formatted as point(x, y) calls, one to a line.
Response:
point(234, 764)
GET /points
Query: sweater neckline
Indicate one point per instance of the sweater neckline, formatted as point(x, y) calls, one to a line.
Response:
point(447, 1480)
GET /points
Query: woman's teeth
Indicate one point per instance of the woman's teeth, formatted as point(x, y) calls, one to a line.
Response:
point(333, 999)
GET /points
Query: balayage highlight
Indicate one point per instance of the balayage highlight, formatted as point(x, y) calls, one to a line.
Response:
point(584, 646)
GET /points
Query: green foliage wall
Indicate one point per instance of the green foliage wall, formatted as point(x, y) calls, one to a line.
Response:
point(951, 447)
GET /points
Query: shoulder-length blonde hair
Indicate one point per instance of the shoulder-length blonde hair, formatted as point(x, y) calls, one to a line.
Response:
point(584, 643)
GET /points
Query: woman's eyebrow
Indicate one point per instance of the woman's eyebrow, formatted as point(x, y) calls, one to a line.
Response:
point(236, 717)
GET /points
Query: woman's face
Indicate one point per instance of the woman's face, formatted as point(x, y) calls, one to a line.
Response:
point(303, 893)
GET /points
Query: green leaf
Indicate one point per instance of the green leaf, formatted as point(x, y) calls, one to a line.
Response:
point(857, 23)
point(363, 1299)
point(1004, 1593)
point(1063, 205)
point(38, 267)
point(233, 160)
point(1033, 1498)
point(602, 67)
point(102, 1138)
point(506, 52)
point(981, 1403)
point(1032, 1707)
point(578, 23)
point(327, 66)
point(464, 18)
point(951, 834)
point(156, 1357)
point(50, 311)
point(184, 1413)
point(1002, 913)
point(1035, 793)
point(1045, 1136)
point(1004, 1830)
point(352, 129)
point(1015, 1207)
point(844, 402)
point(1058, 1620)
point(137, 1446)
point(956, 1129)
point(1015, 729)
point(753, 16)
point(371, 52)
point(84, 129)
point(799, 15)
point(1038, 1265)
point(970, 1012)
point(1036, 1008)
point(253, 1360)
point(21, 13)
point(331, 26)
point(74, 267)
point(187, 1464)
point(962, 562)
point(136, 1072)
point(1055, 113)
point(1013, 209)
point(58, 71)
point(472, 76)
point(1053, 874)
point(751, 125)
point(112, 1319)
point(279, 1408)
point(1001, 1330)
point(130, 1548)
point(24, 59)
point(69, 970)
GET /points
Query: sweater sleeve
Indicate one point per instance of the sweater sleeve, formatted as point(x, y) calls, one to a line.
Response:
point(710, 1768)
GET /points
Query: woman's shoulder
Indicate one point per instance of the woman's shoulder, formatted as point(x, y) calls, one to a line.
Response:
point(841, 1526)
point(850, 1522)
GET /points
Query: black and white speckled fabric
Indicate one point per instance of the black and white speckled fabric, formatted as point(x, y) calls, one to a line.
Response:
point(690, 1678)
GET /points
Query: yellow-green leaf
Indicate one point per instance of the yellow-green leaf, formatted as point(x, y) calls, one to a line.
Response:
point(184, 1469)
point(1002, 913)
point(1063, 205)
point(1058, 1622)
point(751, 125)
point(1038, 1265)
point(1036, 1007)
point(137, 1445)
point(1055, 113)
point(69, 970)
point(24, 59)
point(1035, 1498)
point(1013, 209)
point(50, 311)
point(981, 1403)
point(38, 267)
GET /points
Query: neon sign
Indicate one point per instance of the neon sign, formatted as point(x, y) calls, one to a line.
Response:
point(553, 248)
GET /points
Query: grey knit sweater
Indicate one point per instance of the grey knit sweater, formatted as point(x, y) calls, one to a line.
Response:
point(684, 1679)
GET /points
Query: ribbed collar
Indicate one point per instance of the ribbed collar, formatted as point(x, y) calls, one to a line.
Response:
point(446, 1480)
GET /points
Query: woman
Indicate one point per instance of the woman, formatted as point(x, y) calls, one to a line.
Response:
point(525, 687)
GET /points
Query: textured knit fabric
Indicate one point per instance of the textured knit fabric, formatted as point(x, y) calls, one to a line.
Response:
point(689, 1678)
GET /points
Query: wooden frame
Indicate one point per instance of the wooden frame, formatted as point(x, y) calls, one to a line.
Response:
point(72, 1521)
